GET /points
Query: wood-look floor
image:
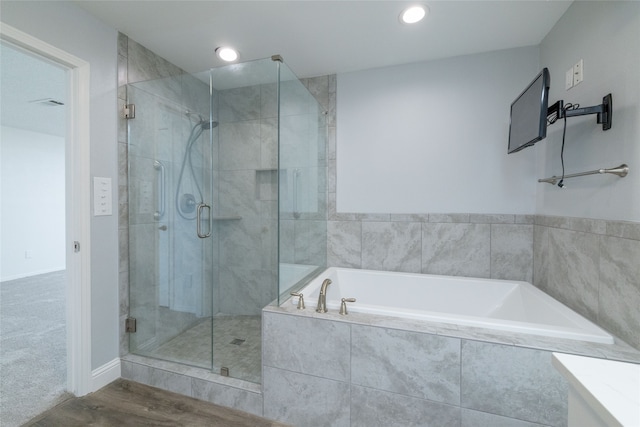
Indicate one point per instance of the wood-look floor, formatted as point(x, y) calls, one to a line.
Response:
point(125, 403)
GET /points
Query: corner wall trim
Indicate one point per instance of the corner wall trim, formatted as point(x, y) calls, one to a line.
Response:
point(105, 374)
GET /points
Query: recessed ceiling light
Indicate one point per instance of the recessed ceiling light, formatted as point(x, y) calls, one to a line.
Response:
point(228, 54)
point(413, 14)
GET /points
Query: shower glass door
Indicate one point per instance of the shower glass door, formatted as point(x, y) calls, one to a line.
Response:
point(245, 102)
point(170, 221)
point(210, 156)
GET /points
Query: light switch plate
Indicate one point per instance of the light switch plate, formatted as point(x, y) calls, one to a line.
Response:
point(578, 72)
point(102, 196)
point(568, 79)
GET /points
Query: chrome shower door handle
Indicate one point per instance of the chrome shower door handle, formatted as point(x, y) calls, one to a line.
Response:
point(201, 207)
point(157, 165)
point(296, 176)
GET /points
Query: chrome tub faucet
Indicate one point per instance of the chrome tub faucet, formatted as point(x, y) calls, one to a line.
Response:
point(322, 298)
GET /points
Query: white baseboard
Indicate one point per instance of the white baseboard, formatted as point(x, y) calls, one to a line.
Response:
point(105, 374)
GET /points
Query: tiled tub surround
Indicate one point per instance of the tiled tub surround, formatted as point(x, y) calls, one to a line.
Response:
point(472, 245)
point(592, 266)
point(369, 370)
point(587, 264)
point(314, 375)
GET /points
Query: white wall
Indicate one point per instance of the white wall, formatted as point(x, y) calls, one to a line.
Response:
point(606, 35)
point(66, 26)
point(432, 137)
point(32, 175)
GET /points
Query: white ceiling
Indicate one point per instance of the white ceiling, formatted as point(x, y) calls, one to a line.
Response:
point(325, 37)
point(24, 81)
point(314, 37)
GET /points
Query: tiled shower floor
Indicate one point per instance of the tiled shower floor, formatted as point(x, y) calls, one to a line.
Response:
point(236, 346)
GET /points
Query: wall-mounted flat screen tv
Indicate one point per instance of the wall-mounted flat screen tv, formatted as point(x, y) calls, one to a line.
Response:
point(529, 114)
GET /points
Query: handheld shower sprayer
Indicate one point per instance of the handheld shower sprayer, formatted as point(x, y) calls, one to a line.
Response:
point(186, 203)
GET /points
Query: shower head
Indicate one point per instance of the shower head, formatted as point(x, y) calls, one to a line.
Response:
point(208, 125)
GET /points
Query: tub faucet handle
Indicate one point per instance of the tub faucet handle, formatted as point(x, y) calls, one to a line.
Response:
point(300, 299)
point(343, 305)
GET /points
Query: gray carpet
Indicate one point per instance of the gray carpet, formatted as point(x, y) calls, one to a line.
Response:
point(32, 346)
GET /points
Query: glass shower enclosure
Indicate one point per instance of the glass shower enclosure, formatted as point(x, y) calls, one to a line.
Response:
point(227, 210)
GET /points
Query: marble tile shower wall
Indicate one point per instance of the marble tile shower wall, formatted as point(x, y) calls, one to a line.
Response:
point(247, 188)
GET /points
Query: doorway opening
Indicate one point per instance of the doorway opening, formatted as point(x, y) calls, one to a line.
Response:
point(66, 268)
point(33, 335)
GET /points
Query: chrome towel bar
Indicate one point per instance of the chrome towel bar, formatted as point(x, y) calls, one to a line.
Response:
point(621, 171)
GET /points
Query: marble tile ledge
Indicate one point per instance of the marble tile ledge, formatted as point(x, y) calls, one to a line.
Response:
point(619, 351)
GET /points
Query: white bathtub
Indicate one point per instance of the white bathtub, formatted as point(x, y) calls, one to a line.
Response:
point(487, 303)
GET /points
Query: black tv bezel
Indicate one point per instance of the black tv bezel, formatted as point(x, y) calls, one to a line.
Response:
point(544, 103)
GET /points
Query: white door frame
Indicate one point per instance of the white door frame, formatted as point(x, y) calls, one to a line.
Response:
point(78, 207)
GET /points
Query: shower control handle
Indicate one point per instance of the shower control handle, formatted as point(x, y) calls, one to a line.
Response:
point(201, 207)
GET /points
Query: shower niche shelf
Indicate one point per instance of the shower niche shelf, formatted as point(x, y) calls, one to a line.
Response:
point(266, 184)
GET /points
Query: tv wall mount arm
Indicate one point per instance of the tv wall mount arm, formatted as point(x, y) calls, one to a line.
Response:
point(604, 111)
